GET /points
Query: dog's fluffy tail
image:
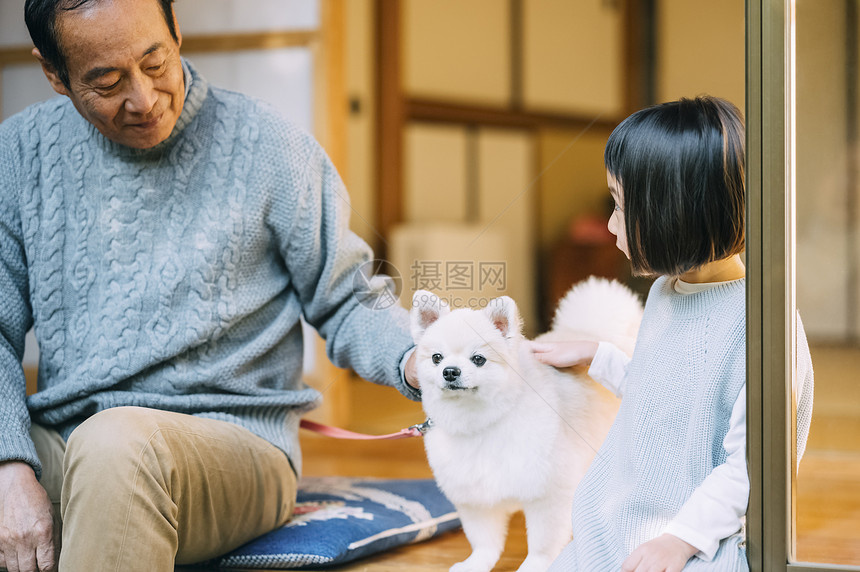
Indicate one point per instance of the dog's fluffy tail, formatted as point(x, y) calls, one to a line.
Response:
point(601, 310)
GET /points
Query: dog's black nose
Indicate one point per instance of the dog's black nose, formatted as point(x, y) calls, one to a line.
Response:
point(451, 373)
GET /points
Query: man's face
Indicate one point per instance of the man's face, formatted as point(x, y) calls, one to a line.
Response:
point(124, 70)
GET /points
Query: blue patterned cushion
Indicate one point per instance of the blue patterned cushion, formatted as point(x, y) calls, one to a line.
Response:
point(338, 519)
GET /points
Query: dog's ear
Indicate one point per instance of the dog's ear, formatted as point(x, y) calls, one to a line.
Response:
point(503, 313)
point(427, 307)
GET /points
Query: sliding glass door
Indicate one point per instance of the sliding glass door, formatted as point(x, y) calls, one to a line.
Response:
point(803, 258)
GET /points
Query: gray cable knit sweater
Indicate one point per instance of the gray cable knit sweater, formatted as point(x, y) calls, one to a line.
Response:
point(175, 277)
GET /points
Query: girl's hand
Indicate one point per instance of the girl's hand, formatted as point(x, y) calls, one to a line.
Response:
point(666, 553)
point(564, 354)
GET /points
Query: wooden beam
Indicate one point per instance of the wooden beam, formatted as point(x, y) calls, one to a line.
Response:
point(249, 41)
point(640, 54)
point(199, 44)
point(436, 111)
point(17, 55)
point(391, 117)
point(31, 374)
point(515, 17)
point(333, 86)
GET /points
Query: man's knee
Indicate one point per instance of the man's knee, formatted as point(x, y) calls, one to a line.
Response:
point(112, 438)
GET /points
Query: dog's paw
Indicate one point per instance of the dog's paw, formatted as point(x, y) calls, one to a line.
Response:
point(535, 564)
point(474, 564)
point(466, 566)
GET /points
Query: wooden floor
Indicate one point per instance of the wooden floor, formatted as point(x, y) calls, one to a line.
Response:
point(828, 489)
point(828, 483)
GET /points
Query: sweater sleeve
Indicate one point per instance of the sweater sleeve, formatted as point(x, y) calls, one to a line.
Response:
point(15, 310)
point(364, 326)
point(609, 368)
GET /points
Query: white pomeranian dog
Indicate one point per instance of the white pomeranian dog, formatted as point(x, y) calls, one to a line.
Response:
point(507, 432)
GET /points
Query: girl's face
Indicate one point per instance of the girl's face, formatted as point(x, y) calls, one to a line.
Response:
point(616, 221)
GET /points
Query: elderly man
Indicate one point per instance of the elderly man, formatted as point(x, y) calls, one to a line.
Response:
point(164, 237)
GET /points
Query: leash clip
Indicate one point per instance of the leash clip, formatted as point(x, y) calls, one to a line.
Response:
point(422, 428)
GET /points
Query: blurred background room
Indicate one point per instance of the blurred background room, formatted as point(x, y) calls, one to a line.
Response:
point(470, 136)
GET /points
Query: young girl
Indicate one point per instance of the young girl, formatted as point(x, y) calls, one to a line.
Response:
point(669, 487)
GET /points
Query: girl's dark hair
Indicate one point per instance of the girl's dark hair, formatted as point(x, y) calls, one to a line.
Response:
point(680, 166)
point(41, 19)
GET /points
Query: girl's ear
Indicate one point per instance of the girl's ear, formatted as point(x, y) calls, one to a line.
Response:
point(504, 315)
point(426, 309)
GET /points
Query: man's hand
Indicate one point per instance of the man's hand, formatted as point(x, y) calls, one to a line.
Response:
point(666, 553)
point(26, 525)
point(564, 354)
point(410, 370)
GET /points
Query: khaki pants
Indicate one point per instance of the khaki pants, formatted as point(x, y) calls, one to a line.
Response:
point(141, 489)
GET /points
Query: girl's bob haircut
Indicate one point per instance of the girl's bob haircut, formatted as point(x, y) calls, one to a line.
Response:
point(680, 166)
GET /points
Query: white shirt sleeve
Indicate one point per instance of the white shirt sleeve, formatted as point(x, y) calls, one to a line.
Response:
point(803, 390)
point(716, 508)
point(609, 368)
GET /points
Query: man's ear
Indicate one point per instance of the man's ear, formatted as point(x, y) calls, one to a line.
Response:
point(50, 73)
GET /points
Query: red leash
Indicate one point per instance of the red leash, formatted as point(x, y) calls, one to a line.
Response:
point(337, 433)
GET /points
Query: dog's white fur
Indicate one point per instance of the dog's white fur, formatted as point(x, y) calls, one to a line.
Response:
point(513, 433)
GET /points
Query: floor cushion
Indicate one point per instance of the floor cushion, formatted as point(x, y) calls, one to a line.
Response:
point(338, 519)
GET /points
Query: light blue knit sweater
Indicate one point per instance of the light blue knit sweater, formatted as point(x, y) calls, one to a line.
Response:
point(686, 373)
point(175, 277)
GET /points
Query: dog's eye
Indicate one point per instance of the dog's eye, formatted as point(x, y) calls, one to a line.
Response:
point(437, 359)
point(479, 360)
